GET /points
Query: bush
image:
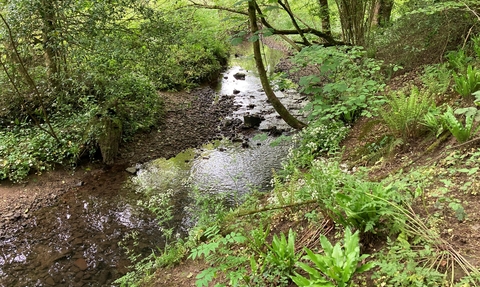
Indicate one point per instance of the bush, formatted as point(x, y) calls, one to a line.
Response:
point(420, 38)
point(315, 140)
point(25, 148)
point(403, 114)
point(346, 86)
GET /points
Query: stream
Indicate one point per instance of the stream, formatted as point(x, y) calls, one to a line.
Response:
point(82, 238)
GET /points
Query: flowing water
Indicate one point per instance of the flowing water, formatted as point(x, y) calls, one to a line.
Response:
point(81, 240)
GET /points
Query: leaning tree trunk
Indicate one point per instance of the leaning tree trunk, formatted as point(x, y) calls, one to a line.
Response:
point(277, 105)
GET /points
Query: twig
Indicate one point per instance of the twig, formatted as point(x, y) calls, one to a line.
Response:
point(296, 204)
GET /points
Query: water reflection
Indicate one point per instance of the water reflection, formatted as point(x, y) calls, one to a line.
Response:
point(222, 168)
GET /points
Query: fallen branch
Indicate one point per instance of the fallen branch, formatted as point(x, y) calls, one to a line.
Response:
point(296, 204)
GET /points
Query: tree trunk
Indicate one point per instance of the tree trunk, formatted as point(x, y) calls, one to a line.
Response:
point(50, 47)
point(325, 16)
point(383, 12)
point(277, 105)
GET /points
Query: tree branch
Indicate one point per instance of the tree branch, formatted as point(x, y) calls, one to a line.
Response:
point(217, 7)
point(286, 7)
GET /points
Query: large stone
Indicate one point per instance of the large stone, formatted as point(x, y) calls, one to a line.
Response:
point(239, 76)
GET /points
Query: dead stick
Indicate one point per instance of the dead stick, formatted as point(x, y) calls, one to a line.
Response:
point(250, 212)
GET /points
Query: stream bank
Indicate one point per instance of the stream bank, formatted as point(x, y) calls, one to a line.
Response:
point(65, 226)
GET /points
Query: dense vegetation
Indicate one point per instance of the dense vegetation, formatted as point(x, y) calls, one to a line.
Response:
point(81, 76)
point(339, 217)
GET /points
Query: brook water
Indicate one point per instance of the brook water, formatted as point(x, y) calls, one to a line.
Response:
point(81, 239)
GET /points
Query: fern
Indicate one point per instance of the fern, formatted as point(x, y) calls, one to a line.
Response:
point(403, 114)
point(469, 83)
point(461, 132)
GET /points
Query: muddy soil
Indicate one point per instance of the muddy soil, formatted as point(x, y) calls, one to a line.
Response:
point(191, 119)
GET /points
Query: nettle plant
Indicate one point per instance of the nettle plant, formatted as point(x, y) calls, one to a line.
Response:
point(346, 86)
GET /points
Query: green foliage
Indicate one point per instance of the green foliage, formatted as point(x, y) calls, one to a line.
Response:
point(315, 140)
point(458, 60)
point(462, 132)
point(24, 148)
point(347, 84)
point(432, 120)
point(217, 250)
point(404, 265)
point(103, 64)
point(338, 264)
point(349, 200)
point(281, 258)
point(403, 114)
point(436, 78)
point(468, 83)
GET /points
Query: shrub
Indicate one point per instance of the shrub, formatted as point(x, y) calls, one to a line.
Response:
point(346, 86)
point(436, 78)
point(315, 140)
point(403, 114)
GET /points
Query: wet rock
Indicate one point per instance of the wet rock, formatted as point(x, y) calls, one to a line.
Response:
point(49, 281)
point(239, 76)
point(81, 264)
point(131, 170)
point(251, 121)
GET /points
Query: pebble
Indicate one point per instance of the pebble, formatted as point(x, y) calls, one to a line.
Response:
point(81, 264)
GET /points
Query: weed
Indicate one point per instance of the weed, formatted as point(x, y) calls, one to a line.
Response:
point(458, 60)
point(436, 78)
point(403, 266)
point(347, 84)
point(432, 120)
point(315, 140)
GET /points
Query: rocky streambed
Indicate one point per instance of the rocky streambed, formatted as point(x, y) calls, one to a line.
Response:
point(75, 227)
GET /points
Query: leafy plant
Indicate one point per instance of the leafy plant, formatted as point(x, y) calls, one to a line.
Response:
point(468, 83)
point(403, 114)
point(402, 266)
point(225, 260)
point(462, 132)
point(347, 84)
point(338, 264)
point(436, 78)
point(281, 258)
point(458, 60)
point(347, 199)
point(432, 120)
point(317, 139)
